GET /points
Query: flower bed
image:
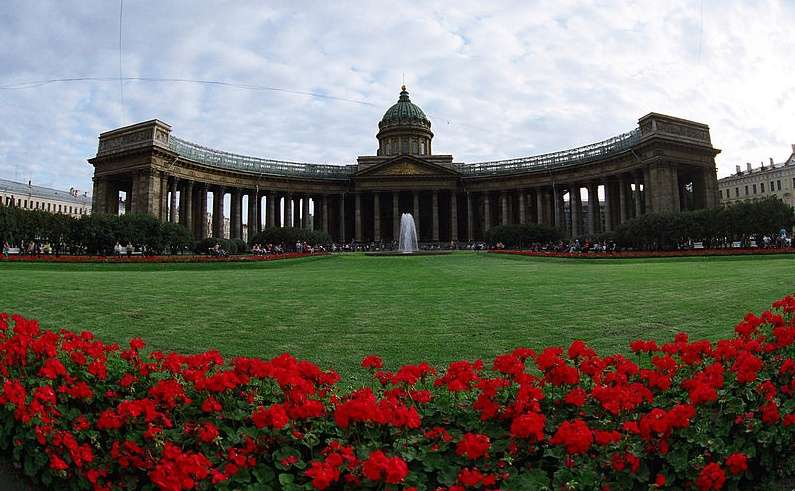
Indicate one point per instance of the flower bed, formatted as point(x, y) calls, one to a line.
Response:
point(78, 413)
point(643, 254)
point(156, 259)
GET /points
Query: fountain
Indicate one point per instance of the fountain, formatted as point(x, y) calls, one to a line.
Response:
point(408, 234)
point(407, 241)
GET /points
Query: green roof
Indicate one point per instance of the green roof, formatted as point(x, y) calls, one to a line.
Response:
point(404, 112)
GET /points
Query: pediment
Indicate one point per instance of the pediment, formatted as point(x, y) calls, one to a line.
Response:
point(407, 166)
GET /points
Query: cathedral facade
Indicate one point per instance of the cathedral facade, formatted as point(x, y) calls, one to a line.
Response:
point(665, 164)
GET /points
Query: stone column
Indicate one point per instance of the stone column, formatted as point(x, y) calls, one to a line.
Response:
point(181, 203)
point(131, 206)
point(557, 212)
point(575, 206)
point(593, 208)
point(636, 196)
point(395, 215)
point(99, 196)
point(258, 206)
point(112, 198)
point(324, 218)
point(676, 204)
point(296, 211)
point(147, 189)
point(164, 197)
point(622, 200)
point(376, 217)
point(503, 208)
point(470, 219)
point(202, 227)
point(453, 216)
point(522, 208)
point(540, 205)
point(416, 209)
point(710, 179)
point(648, 191)
point(608, 206)
point(435, 215)
point(357, 210)
point(486, 213)
point(305, 211)
point(188, 204)
point(235, 216)
point(253, 214)
point(173, 210)
point(287, 213)
point(218, 212)
point(271, 218)
point(342, 218)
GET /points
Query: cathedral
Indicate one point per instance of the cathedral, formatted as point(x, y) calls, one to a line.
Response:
point(664, 164)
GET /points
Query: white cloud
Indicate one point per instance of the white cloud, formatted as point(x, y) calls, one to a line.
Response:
point(498, 80)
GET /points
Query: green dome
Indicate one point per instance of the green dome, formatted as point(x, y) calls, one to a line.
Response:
point(404, 112)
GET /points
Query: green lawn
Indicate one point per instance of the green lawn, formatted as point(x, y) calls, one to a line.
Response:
point(334, 310)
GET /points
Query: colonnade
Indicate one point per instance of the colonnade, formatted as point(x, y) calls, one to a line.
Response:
point(463, 211)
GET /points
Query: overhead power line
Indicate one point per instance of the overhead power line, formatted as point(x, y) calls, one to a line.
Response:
point(121, 72)
point(40, 83)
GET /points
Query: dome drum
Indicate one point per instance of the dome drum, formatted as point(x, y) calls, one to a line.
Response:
point(404, 129)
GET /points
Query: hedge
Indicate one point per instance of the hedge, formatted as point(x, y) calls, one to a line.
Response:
point(91, 234)
point(289, 236)
point(78, 413)
point(230, 246)
point(518, 236)
point(714, 227)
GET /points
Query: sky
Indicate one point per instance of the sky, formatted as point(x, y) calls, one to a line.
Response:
point(309, 81)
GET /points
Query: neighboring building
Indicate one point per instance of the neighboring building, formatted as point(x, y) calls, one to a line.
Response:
point(30, 197)
point(664, 164)
point(772, 180)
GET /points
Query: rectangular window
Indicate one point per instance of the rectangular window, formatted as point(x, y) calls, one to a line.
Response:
point(754, 186)
point(778, 185)
point(736, 192)
point(761, 187)
point(746, 190)
point(772, 187)
point(25, 204)
point(721, 194)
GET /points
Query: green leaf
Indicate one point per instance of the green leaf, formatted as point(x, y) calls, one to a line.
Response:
point(264, 474)
point(286, 479)
point(533, 479)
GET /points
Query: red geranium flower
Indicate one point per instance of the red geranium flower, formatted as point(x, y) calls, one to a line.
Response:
point(737, 463)
point(473, 446)
point(372, 362)
point(711, 477)
point(379, 467)
point(574, 435)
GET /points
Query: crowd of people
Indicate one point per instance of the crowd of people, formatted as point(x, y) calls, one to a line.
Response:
point(30, 248)
point(575, 246)
point(271, 249)
point(129, 249)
